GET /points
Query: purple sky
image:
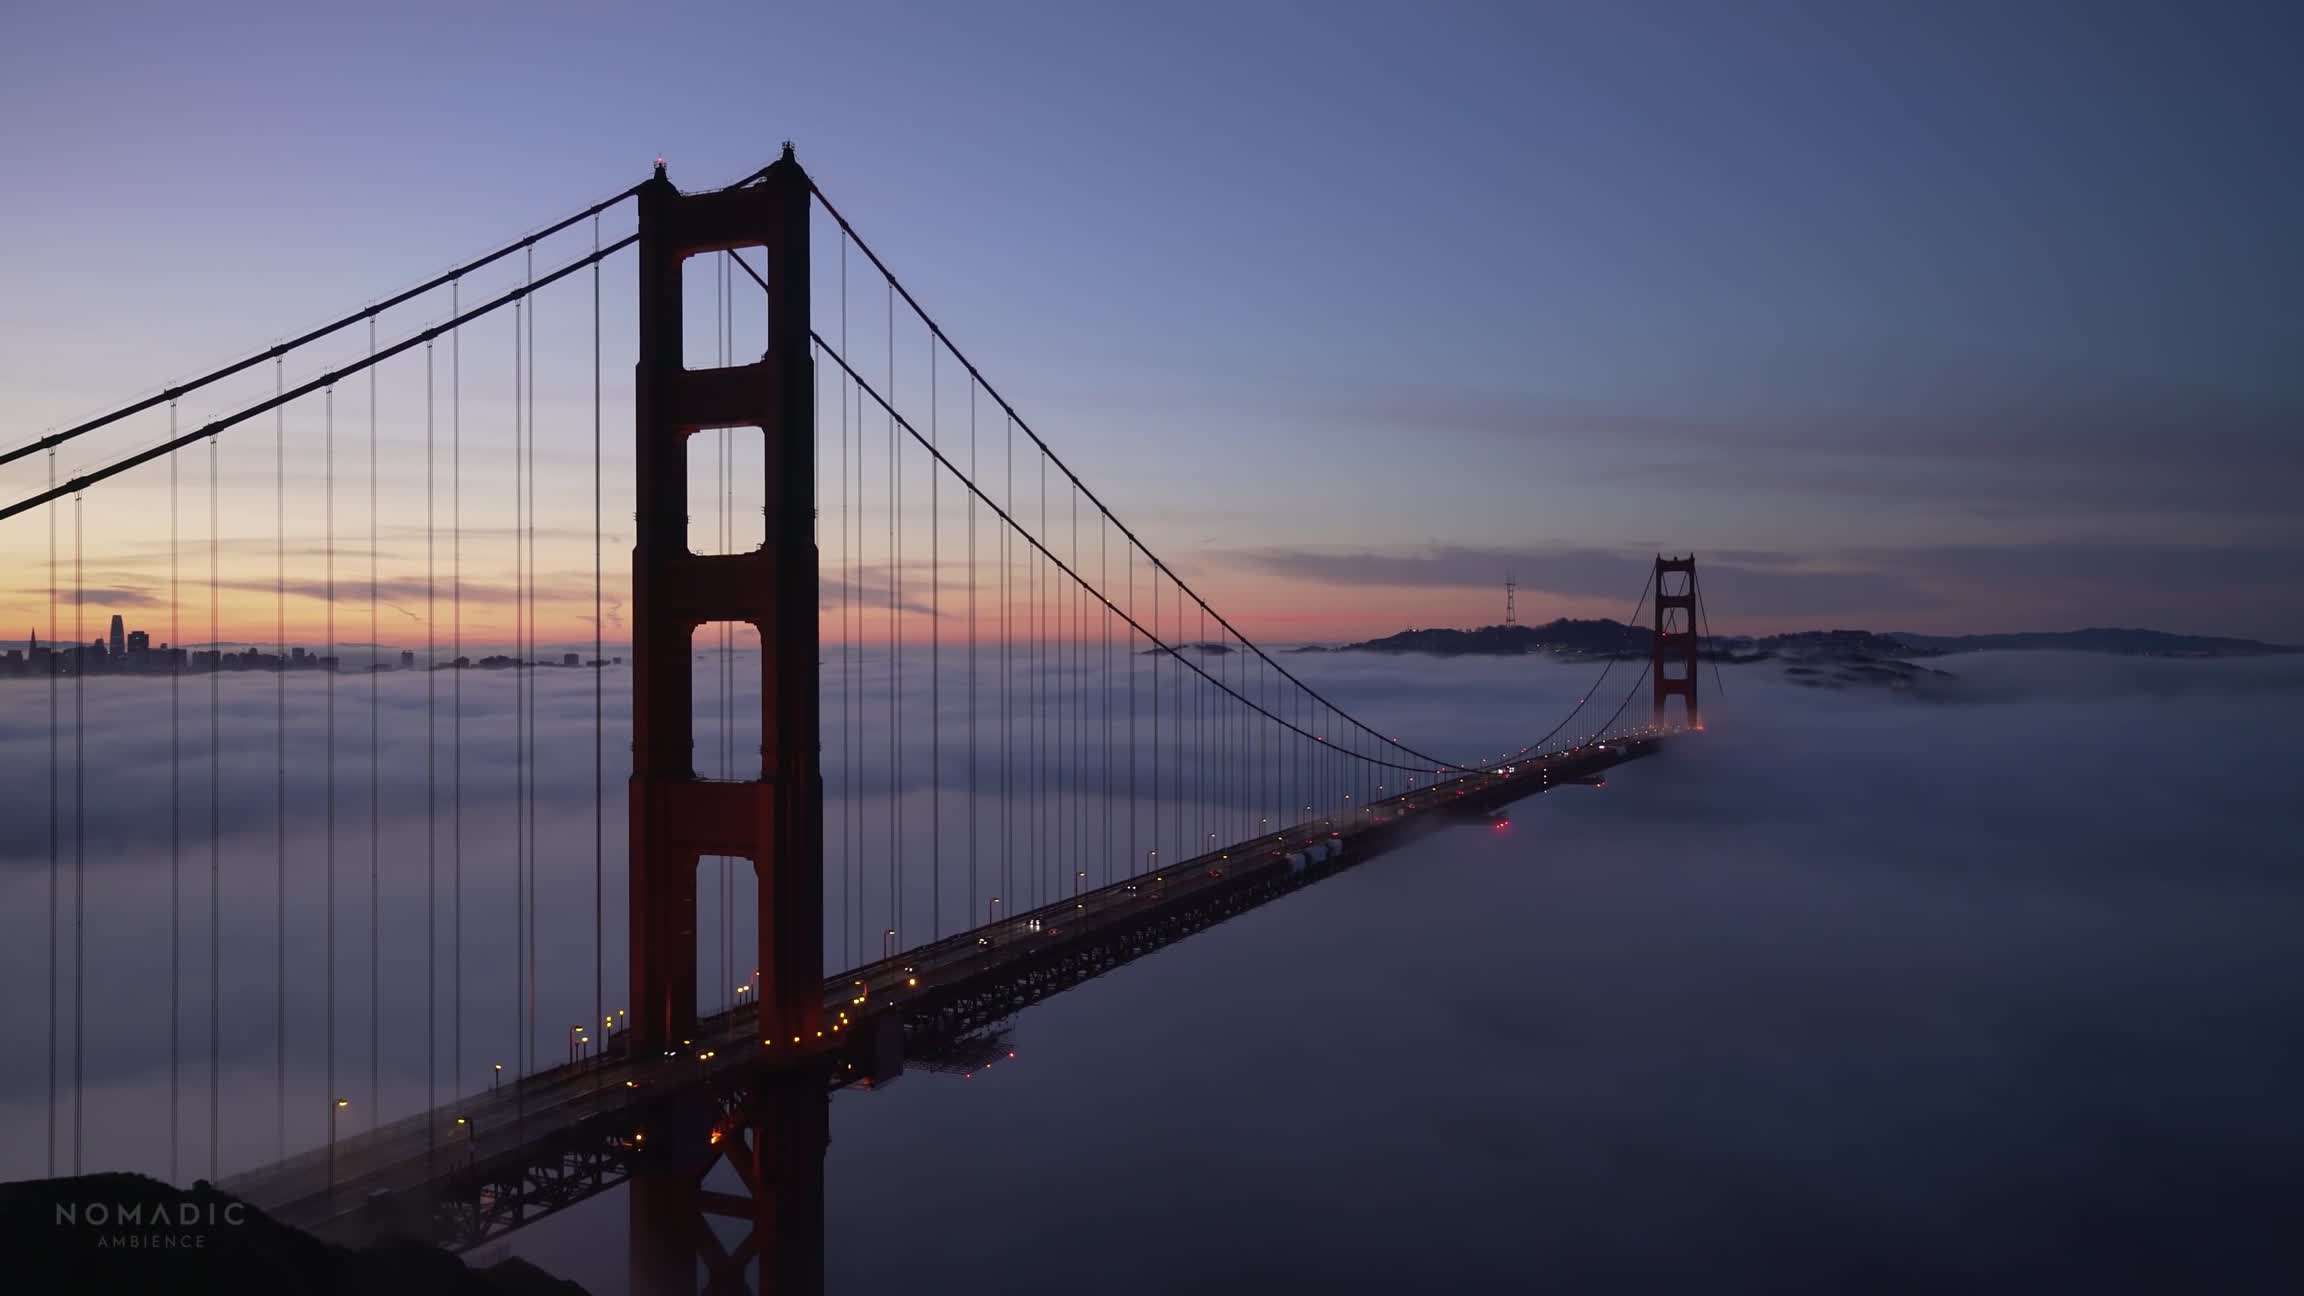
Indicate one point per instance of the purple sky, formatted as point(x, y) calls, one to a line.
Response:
point(1937, 318)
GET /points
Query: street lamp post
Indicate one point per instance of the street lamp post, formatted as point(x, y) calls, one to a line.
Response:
point(333, 1108)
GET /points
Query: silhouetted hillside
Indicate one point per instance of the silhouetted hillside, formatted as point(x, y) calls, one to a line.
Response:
point(1838, 643)
point(1570, 638)
point(128, 1233)
point(1564, 636)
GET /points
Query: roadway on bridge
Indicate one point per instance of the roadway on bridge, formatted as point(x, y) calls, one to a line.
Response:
point(424, 1150)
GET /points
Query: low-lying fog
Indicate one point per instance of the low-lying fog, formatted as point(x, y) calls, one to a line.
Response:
point(1853, 990)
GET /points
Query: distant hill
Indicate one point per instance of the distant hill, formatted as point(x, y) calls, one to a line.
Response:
point(2129, 643)
point(1838, 643)
point(1564, 637)
point(1572, 638)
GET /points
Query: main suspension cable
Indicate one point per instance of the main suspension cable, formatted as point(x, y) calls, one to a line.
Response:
point(1706, 617)
point(321, 383)
point(1623, 643)
point(368, 313)
point(939, 335)
point(898, 420)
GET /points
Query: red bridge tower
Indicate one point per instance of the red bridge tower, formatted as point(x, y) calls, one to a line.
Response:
point(1674, 643)
point(676, 817)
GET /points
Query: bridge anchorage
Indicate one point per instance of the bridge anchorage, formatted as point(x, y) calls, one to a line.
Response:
point(1256, 783)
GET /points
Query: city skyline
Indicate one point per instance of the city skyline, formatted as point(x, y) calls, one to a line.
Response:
point(124, 651)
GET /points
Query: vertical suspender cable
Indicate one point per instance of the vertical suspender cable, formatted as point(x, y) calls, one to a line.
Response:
point(816, 535)
point(728, 629)
point(79, 837)
point(375, 769)
point(328, 666)
point(720, 660)
point(1186, 847)
point(847, 644)
point(1042, 721)
point(599, 654)
point(175, 812)
point(856, 586)
point(54, 817)
point(456, 682)
point(970, 500)
point(1008, 682)
point(1129, 548)
point(519, 767)
point(279, 771)
point(519, 729)
point(1077, 783)
point(935, 672)
point(728, 957)
point(528, 668)
point(895, 656)
point(1104, 584)
point(720, 710)
point(1077, 708)
point(215, 820)
point(1043, 841)
point(431, 777)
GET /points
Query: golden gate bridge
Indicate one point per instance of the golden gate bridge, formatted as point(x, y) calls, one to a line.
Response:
point(1108, 762)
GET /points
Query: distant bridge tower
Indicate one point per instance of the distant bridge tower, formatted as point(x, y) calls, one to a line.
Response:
point(1511, 614)
point(676, 817)
point(1674, 642)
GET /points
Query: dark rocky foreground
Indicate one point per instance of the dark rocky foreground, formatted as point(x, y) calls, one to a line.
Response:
point(127, 1233)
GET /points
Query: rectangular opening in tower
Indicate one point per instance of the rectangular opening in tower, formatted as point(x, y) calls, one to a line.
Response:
point(727, 490)
point(727, 933)
point(725, 660)
point(723, 311)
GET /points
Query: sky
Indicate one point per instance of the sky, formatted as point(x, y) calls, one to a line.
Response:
point(1945, 318)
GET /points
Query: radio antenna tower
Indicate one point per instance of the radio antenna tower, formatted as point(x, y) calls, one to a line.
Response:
point(1511, 615)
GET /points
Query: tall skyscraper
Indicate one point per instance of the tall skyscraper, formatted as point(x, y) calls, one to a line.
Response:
point(119, 637)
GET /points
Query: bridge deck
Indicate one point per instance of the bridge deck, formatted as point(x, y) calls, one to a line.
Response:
point(934, 993)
